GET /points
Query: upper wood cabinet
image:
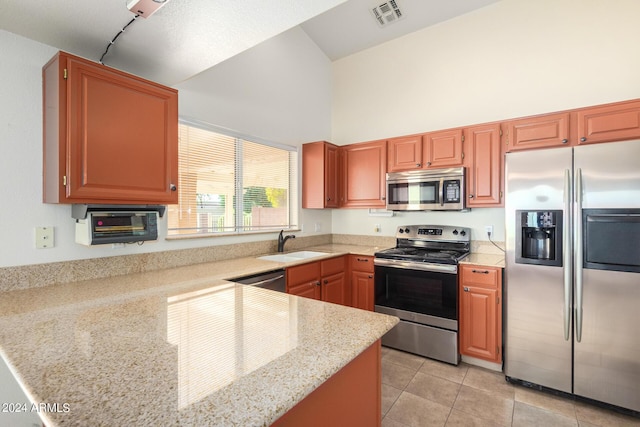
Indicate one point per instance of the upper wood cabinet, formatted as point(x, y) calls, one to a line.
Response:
point(440, 149)
point(404, 153)
point(364, 175)
point(319, 175)
point(550, 130)
point(109, 137)
point(485, 166)
point(606, 123)
point(443, 149)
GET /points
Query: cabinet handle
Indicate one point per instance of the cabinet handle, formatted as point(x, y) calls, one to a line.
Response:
point(318, 283)
point(328, 199)
point(172, 187)
point(564, 141)
point(480, 271)
point(466, 289)
point(326, 281)
point(370, 276)
point(383, 198)
point(428, 163)
point(418, 165)
point(471, 196)
point(583, 139)
point(362, 259)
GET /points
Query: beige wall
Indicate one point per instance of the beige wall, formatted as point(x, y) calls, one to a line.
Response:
point(510, 59)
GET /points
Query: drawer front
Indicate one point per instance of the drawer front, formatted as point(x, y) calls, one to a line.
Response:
point(332, 266)
point(304, 273)
point(478, 275)
point(361, 263)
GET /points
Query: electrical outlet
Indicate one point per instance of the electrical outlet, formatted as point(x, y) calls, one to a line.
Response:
point(376, 228)
point(44, 237)
point(318, 227)
point(488, 229)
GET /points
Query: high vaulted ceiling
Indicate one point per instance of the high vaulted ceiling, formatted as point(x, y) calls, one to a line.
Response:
point(186, 37)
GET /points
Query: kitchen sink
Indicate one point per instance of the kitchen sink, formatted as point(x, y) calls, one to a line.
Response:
point(292, 256)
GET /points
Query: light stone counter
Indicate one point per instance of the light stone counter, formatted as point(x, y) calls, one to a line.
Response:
point(178, 346)
point(490, 260)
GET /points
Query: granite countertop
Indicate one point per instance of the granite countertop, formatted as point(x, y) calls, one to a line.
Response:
point(178, 347)
point(490, 260)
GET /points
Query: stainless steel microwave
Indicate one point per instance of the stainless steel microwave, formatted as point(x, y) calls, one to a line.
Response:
point(426, 190)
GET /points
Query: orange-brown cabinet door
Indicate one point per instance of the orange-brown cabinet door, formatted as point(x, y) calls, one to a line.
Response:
point(122, 139)
point(613, 122)
point(478, 323)
point(334, 289)
point(362, 292)
point(550, 130)
point(404, 154)
point(443, 149)
point(364, 175)
point(304, 280)
point(485, 166)
point(319, 175)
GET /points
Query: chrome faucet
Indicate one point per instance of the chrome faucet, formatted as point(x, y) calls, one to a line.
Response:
point(282, 239)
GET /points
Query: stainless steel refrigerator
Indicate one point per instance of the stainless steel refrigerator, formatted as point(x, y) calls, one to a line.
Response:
point(572, 289)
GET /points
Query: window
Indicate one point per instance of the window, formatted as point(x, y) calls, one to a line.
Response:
point(228, 184)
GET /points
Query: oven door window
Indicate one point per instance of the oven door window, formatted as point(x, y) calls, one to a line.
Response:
point(430, 293)
point(611, 239)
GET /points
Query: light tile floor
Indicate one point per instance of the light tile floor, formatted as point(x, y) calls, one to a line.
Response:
point(420, 392)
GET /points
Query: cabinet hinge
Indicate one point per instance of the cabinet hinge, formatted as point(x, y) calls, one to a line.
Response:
point(497, 350)
point(462, 137)
point(65, 74)
point(64, 180)
point(498, 300)
point(500, 131)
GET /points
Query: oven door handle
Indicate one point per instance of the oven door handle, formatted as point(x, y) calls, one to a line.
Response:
point(418, 266)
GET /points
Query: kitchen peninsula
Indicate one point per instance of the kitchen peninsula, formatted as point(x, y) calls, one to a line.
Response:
point(180, 347)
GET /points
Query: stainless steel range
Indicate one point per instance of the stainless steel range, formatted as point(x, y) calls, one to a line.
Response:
point(417, 281)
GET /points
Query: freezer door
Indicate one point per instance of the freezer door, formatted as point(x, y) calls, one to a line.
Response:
point(607, 350)
point(538, 346)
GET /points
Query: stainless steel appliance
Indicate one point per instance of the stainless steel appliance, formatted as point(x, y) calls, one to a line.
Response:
point(417, 281)
point(274, 280)
point(433, 189)
point(572, 294)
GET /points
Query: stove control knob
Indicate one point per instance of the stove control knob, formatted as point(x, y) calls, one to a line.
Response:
point(455, 232)
point(406, 230)
point(463, 233)
point(400, 230)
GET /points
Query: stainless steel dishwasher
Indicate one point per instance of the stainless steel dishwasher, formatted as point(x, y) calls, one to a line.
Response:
point(274, 280)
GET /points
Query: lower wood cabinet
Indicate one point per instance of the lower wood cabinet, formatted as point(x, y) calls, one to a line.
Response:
point(480, 329)
point(322, 280)
point(362, 291)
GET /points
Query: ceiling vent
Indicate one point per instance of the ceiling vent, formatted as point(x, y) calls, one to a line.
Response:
point(387, 13)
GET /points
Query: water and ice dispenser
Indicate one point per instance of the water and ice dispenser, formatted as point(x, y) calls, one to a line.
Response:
point(539, 237)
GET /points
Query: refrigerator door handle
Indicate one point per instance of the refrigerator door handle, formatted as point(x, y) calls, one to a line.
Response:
point(577, 233)
point(566, 254)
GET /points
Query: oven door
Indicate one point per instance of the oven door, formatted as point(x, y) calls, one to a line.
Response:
point(426, 297)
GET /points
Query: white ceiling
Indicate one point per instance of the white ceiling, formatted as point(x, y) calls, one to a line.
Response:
point(186, 37)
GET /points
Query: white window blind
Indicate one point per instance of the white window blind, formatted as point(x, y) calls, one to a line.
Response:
point(228, 184)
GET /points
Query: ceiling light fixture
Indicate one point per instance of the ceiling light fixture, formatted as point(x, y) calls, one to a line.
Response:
point(145, 8)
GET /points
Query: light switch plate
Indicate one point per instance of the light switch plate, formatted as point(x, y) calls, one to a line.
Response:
point(44, 237)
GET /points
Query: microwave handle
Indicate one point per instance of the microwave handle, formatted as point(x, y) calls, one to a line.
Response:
point(441, 191)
